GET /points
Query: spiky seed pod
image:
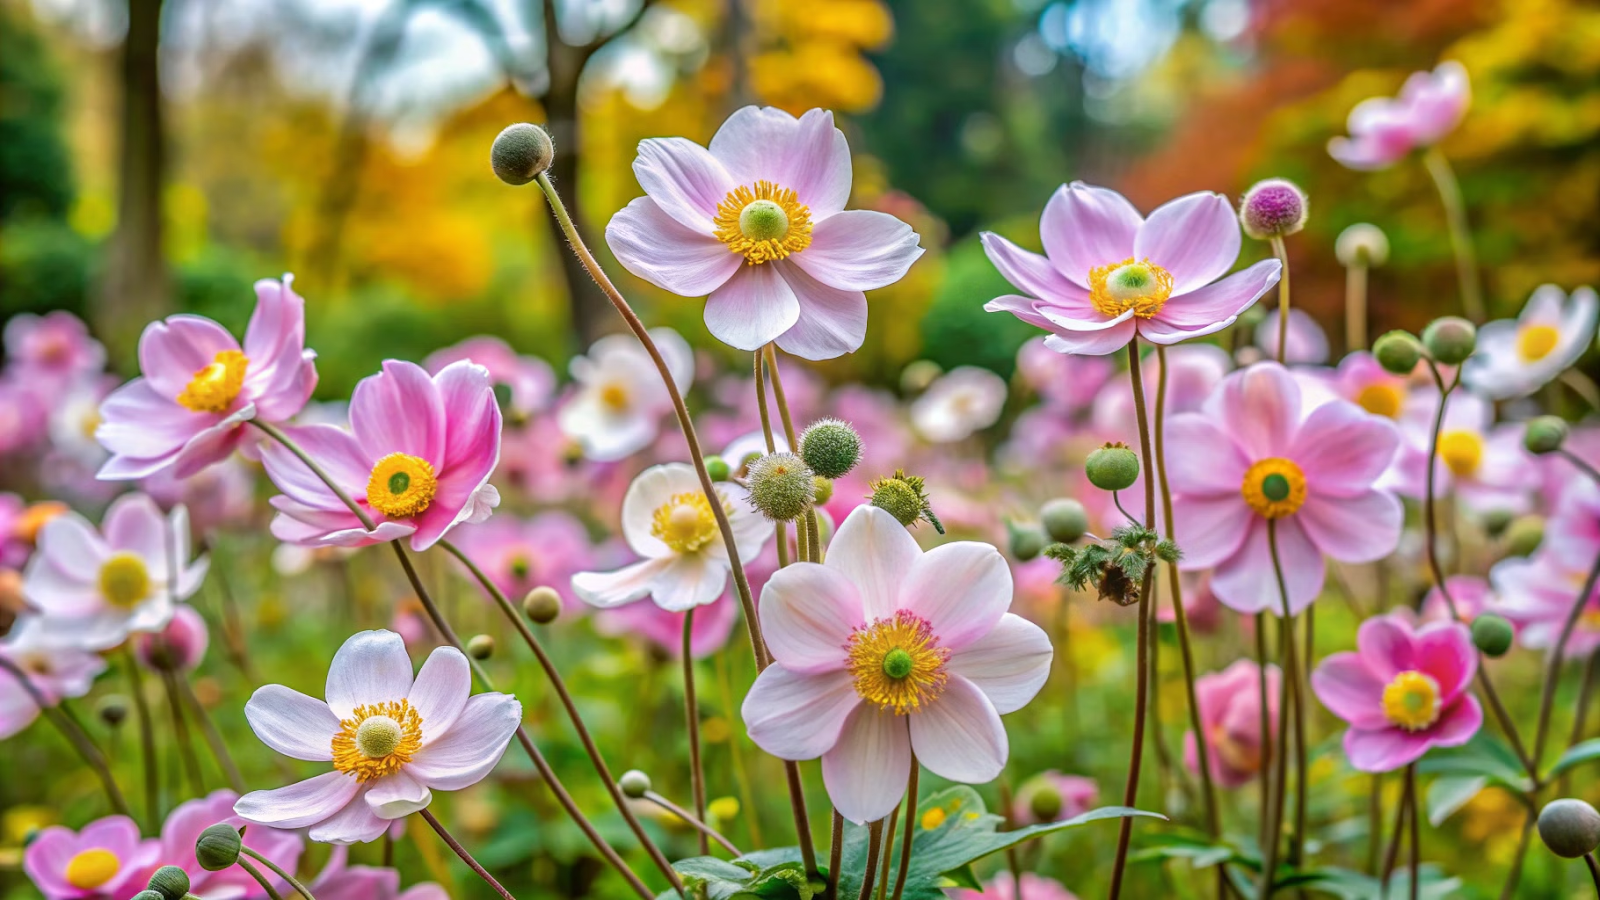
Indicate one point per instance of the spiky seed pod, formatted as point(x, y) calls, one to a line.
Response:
point(830, 447)
point(782, 486)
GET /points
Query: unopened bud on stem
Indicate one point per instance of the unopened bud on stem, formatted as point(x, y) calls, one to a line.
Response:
point(522, 153)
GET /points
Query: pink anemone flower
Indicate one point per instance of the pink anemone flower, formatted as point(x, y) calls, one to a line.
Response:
point(392, 741)
point(417, 459)
point(1230, 715)
point(1004, 887)
point(757, 222)
point(1109, 273)
point(1537, 593)
point(339, 880)
point(55, 347)
point(183, 827)
point(545, 550)
point(105, 859)
point(200, 386)
point(1253, 457)
point(1405, 691)
point(529, 381)
point(883, 650)
point(1384, 130)
point(55, 672)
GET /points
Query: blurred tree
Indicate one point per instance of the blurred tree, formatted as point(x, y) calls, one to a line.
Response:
point(809, 55)
point(35, 167)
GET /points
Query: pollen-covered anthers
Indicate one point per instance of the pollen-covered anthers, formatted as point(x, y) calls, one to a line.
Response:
point(377, 739)
point(1140, 286)
point(214, 388)
point(1274, 488)
point(763, 222)
point(1535, 342)
point(1411, 701)
point(898, 663)
point(686, 522)
point(1461, 451)
point(402, 486)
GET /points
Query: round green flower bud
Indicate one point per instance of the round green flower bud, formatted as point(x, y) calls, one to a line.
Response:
point(1450, 340)
point(898, 499)
point(1545, 434)
point(521, 153)
point(1492, 634)
point(542, 604)
point(782, 486)
point(1113, 467)
point(1398, 352)
point(1273, 208)
point(481, 646)
point(1570, 828)
point(1362, 244)
point(824, 490)
point(170, 882)
point(634, 783)
point(830, 447)
point(1496, 521)
point(112, 709)
point(148, 894)
point(1524, 536)
point(1045, 802)
point(718, 468)
point(1064, 519)
point(1026, 543)
point(218, 847)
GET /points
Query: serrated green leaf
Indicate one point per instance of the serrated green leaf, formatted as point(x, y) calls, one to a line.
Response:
point(1449, 793)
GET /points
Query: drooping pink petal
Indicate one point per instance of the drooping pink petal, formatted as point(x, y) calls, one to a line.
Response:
point(807, 155)
point(466, 753)
point(1093, 343)
point(1458, 723)
point(753, 308)
point(1246, 581)
point(1021, 307)
point(399, 411)
point(335, 451)
point(684, 179)
point(1195, 238)
point(625, 585)
point(370, 667)
point(1349, 690)
point(355, 823)
point(859, 250)
point(654, 246)
point(1445, 652)
point(832, 321)
point(1035, 276)
point(292, 723)
point(866, 770)
point(1342, 449)
point(876, 553)
point(961, 589)
point(807, 614)
point(1386, 646)
point(173, 350)
point(959, 736)
point(1220, 301)
point(1084, 226)
point(440, 691)
point(1260, 407)
point(1009, 664)
point(300, 804)
point(1384, 749)
point(398, 795)
point(797, 716)
point(1362, 528)
point(1209, 529)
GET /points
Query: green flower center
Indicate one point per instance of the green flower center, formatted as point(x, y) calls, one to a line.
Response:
point(764, 220)
point(897, 664)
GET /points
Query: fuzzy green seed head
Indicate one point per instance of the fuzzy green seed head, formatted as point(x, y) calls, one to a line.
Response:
point(830, 447)
point(898, 499)
point(782, 486)
point(1026, 543)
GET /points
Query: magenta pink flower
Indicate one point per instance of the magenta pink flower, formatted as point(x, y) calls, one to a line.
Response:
point(1405, 691)
point(182, 829)
point(1572, 533)
point(529, 380)
point(757, 221)
point(105, 859)
point(1230, 714)
point(1253, 456)
point(339, 880)
point(55, 347)
point(1471, 594)
point(1069, 795)
point(1384, 130)
point(1004, 887)
point(417, 458)
point(179, 647)
point(883, 650)
point(1108, 273)
point(519, 555)
point(1537, 593)
point(200, 386)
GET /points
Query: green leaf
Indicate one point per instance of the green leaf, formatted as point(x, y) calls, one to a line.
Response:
point(1185, 843)
point(1451, 792)
point(1483, 755)
point(722, 880)
point(1576, 755)
point(964, 877)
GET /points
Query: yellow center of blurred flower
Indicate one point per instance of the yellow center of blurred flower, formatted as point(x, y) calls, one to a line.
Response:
point(614, 397)
point(763, 222)
point(1411, 701)
point(124, 580)
point(401, 486)
point(89, 869)
point(1534, 342)
point(214, 388)
point(1462, 451)
point(1274, 487)
point(1140, 286)
point(897, 663)
point(1381, 399)
point(685, 522)
point(377, 739)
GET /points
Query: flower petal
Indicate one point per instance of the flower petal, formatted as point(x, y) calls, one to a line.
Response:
point(1247, 583)
point(1356, 529)
point(961, 588)
point(1195, 238)
point(1220, 302)
point(859, 250)
point(874, 551)
point(684, 180)
point(625, 585)
point(1445, 651)
point(1386, 646)
point(1260, 407)
point(1211, 463)
point(1349, 690)
point(753, 308)
point(959, 736)
point(1342, 449)
point(807, 155)
point(654, 246)
point(1384, 749)
point(797, 716)
point(300, 804)
point(1035, 275)
point(292, 723)
point(371, 667)
point(1009, 664)
point(807, 614)
point(1084, 226)
point(440, 692)
point(469, 751)
point(399, 411)
point(1093, 343)
point(398, 795)
point(356, 822)
point(866, 771)
point(688, 581)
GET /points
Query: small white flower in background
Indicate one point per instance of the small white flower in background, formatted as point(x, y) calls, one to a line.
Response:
point(964, 400)
point(619, 400)
point(93, 589)
point(1483, 464)
point(392, 741)
point(55, 672)
point(1516, 357)
point(667, 519)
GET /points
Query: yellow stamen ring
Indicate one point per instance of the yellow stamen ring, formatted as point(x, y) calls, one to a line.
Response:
point(124, 580)
point(377, 739)
point(1535, 342)
point(1274, 487)
point(401, 486)
point(763, 222)
point(214, 388)
point(897, 663)
point(685, 522)
point(1140, 286)
point(1411, 701)
point(88, 869)
point(1462, 452)
point(1382, 398)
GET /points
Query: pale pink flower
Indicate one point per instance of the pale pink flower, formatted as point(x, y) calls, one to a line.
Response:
point(529, 380)
point(1384, 130)
point(339, 880)
point(1516, 357)
point(965, 400)
point(1537, 594)
point(417, 459)
point(1004, 887)
point(518, 555)
point(1572, 533)
point(618, 400)
point(200, 387)
point(1230, 716)
point(183, 827)
point(105, 859)
point(1472, 595)
point(713, 625)
point(883, 650)
point(392, 741)
point(1484, 465)
point(74, 417)
point(757, 221)
point(55, 347)
point(1069, 383)
point(1255, 455)
point(178, 647)
point(1108, 273)
point(667, 520)
point(1072, 795)
point(1308, 343)
point(1406, 690)
point(94, 588)
point(54, 671)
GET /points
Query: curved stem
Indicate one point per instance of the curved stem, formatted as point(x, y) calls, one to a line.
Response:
point(1552, 671)
point(1268, 746)
point(278, 435)
point(691, 718)
point(1521, 853)
point(147, 742)
point(266, 885)
point(290, 879)
point(685, 424)
point(835, 854)
point(208, 729)
point(1412, 817)
point(910, 829)
point(76, 736)
point(1455, 214)
point(1282, 253)
point(1288, 692)
point(698, 823)
point(1594, 872)
point(466, 857)
point(1392, 855)
point(1580, 464)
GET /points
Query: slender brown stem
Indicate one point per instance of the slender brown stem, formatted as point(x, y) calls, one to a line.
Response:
point(835, 854)
point(1580, 464)
point(1521, 853)
point(1012, 862)
point(874, 847)
point(182, 736)
point(1268, 745)
point(1374, 824)
point(147, 742)
point(1288, 706)
point(1455, 214)
point(278, 870)
point(213, 738)
point(1355, 306)
point(910, 830)
point(888, 854)
point(266, 884)
point(1552, 671)
point(1412, 817)
point(1392, 855)
point(1594, 872)
point(697, 823)
point(1282, 254)
point(752, 818)
point(1591, 672)
point(466, 857)
point(75, 735)
point(691, 718)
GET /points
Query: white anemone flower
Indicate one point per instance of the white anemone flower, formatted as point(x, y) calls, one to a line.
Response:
point(392, 741)
point(94, 588)
point(1516, 357)
point(964, 400)
point(617, 408)
point(1483, 464)
point(667, 519)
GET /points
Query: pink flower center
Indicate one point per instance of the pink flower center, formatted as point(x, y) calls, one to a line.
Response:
point(214, 388)
point(1411, 701)
point(897, 663)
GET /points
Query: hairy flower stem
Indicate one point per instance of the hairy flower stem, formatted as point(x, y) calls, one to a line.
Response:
point(147, 743)
point(781, 529)
point(450, 636)
point(1355, 304)
point(466, 857)
point(213, 738)
point(266, 884)
point(691, 718)
point(1289, 704)
point(1455, 214)
point(1208, 789)
point(277, 870)
point(685, 424)
point(809, 528)
point(1130, 791)
point(1282, 253)
point(698, 824)
point(183, 737)
point(909, 830)
point(75, 735)
point(874, 847)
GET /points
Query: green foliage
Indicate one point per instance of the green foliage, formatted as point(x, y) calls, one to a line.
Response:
point(44, 265)
point(35, 166)
point(957, 331)
point(1115, 568)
